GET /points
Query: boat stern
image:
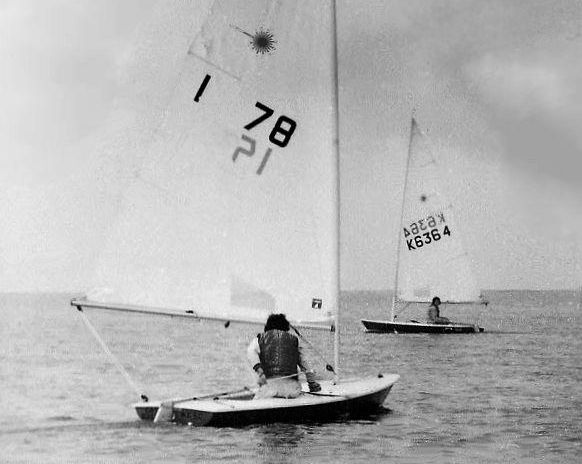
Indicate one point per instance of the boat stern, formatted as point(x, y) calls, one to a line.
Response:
point(147, 411)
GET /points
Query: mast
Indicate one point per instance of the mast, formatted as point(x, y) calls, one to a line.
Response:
point(335, 135)
point(399, 246)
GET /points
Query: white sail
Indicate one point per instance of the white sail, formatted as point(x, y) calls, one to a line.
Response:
point(235, 213)
point(431, 261)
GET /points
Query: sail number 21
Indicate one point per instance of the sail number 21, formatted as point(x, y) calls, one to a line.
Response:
point(426, 231)
point(280, 135)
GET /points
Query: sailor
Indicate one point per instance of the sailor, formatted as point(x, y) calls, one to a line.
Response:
point(434, 316)
point(275, 356)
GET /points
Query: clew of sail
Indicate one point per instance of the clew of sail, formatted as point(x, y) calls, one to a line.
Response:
point(432, 261)
point(234, 214)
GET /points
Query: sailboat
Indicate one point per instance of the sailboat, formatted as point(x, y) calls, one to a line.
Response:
point(431, 261)
point(236, 213)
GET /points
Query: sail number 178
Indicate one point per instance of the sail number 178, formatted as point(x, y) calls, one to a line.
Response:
point(280, 135)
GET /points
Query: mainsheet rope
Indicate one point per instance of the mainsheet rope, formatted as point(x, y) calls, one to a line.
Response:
point(112, 357)
point(328, 366)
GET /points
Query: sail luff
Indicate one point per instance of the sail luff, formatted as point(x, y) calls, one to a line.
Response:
point(399, 245)
point(335, 135)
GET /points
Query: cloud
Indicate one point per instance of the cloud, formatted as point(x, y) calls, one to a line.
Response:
point(535, 105)
point(522, 86)
point(60, 78)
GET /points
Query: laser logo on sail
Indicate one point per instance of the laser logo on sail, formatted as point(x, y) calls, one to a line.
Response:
point(263, 42)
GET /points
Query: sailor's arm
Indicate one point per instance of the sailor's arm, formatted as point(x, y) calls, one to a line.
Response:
point(303, 363)
point(254, 359)
point(309, 374)
point(253, 351)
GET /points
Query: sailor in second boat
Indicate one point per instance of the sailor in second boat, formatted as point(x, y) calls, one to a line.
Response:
point(275, 356)
point(434, 316)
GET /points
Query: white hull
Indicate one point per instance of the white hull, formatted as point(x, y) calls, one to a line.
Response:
point(346, 398)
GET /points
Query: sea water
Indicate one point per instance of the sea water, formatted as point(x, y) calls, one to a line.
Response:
point(511, 394)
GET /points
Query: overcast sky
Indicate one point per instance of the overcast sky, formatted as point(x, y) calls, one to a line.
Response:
point(495, 84)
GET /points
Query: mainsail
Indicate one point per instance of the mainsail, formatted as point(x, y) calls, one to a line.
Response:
point(234, 215)
point(431, 258)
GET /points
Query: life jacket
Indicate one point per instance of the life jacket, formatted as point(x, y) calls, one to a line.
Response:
point(433, 313)
point(279, 353)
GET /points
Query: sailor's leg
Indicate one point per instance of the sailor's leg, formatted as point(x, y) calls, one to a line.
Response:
point(286, 388)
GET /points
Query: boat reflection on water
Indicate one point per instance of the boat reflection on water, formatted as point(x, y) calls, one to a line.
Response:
point(281, 438)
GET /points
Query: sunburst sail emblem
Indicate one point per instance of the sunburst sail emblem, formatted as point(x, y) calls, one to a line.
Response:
point(262, 41)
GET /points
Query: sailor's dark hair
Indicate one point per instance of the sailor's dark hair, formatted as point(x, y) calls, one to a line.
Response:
point(278, 322)
point(435, 299)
